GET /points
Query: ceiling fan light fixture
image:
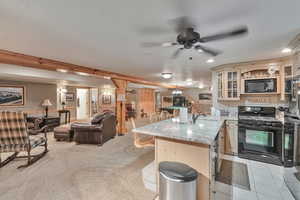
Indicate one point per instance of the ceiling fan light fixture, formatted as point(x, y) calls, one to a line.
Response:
point(166, 75)
point(176, 92)
point(211, 60)
point(286, 50)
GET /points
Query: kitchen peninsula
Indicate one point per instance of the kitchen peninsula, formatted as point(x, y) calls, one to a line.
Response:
point(198, 145)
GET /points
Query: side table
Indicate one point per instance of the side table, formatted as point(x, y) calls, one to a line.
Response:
point(67, 114)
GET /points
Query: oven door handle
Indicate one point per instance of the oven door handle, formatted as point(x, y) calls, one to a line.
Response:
point(259, 127)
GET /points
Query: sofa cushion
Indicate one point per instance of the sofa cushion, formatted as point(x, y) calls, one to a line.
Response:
point(97, 119)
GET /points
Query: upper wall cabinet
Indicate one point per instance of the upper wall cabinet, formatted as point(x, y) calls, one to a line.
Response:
point(288, 88)
point(260, 81)
point(220, 85)
point(268, 78)
point(229, 85)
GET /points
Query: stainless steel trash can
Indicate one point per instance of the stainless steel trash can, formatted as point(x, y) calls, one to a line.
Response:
point(177, 181)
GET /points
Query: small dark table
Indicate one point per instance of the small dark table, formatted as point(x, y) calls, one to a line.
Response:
point(67, 114)
point(51, 122)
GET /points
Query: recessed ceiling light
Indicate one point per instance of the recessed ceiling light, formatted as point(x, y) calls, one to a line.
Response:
point(211, 60)
point(176, 92)
point(189, 83)
point(82, 73)
point(201, 86)
point(166, 75)
point(189, 80)
point(286, 50)
point(107, 77)
point(62, 70)
point(200, 50)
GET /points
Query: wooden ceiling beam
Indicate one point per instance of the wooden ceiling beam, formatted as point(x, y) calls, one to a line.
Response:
point(9, 57)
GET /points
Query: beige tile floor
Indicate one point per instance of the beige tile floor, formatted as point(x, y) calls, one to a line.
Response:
point(266, 182)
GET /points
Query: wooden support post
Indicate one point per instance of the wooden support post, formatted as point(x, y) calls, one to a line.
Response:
point(121, 86)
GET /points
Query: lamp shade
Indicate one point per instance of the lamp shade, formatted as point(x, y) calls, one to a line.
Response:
point(46, 102)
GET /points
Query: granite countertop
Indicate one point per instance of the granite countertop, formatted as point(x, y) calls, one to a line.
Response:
point(203, 131)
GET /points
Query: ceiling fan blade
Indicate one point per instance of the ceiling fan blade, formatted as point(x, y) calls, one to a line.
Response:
point(207, 50)
point(154, 30)
point(176, 53)
point(182, 23)
point(151, 44)
point(158, 44)
point(233, 33)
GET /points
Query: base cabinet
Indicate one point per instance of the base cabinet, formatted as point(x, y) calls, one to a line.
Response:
point(197, 156)
point(231, 137)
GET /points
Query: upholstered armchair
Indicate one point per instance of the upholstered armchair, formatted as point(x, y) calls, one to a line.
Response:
point(101, 129)
point(14, 138)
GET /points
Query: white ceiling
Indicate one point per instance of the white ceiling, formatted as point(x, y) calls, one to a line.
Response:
point(107, 34)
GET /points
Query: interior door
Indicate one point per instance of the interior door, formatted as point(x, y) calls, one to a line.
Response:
point(82, 103)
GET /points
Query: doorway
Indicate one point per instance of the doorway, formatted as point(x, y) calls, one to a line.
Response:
point(82, 111)
point(94, 101)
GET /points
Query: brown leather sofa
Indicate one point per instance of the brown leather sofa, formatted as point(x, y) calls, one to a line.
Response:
point(101, 129)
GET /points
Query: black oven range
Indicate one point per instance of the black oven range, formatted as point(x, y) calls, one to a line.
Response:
point(260, 134)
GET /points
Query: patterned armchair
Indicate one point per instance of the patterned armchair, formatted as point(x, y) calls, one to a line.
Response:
point(14, 138)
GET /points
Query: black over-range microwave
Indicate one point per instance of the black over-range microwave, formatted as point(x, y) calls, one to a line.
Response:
point(268, 85)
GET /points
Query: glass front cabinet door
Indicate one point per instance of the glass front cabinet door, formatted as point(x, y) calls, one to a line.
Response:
point(228, 85)
point(232, 85)
point(220, 85)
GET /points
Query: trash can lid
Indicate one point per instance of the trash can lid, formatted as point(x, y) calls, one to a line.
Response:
point(177, 171)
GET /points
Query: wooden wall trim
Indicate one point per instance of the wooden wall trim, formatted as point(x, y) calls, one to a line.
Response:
point(9, 57)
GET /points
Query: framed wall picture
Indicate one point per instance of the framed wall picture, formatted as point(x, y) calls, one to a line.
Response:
point(205, 96)
point(70, 96)
point(12, 95)
point(106, 99)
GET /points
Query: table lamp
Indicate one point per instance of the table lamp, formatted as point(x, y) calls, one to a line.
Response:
point(63, 105)
point(46, 103)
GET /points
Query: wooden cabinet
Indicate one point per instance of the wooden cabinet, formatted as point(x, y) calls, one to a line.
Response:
point(231, 79)
point(232, 85)
point(231, 137)
point(221, 141)
point(220, 149)
point(220, 85)
point(228, 85)
point(286, 74)
point(196, 155)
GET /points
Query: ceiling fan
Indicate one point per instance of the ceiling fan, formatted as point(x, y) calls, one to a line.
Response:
point(188, 38)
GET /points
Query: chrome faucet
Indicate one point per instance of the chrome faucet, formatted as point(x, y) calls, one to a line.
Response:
point(195, 117)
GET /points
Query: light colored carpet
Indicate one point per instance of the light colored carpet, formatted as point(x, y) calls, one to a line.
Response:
point(80, 172)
